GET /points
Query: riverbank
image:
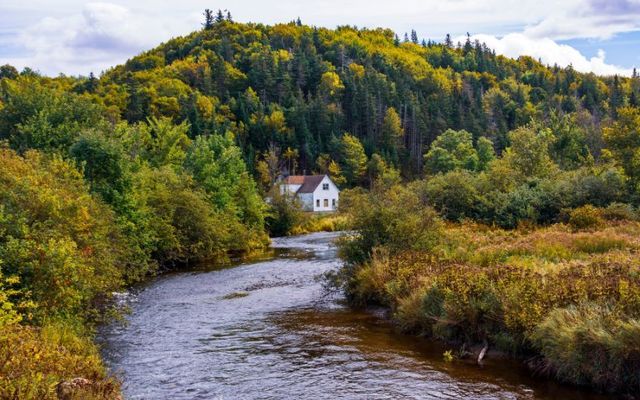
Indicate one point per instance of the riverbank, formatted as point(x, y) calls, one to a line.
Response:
point(565, 298)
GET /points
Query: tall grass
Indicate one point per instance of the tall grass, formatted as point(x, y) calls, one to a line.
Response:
point(568, 297)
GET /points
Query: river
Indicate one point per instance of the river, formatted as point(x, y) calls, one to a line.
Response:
point(267, 330)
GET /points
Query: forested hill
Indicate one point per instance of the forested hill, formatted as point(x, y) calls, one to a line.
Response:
point(295, 90)
point(300, 87)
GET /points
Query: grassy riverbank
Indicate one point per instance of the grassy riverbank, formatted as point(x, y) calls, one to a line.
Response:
point(564, 297)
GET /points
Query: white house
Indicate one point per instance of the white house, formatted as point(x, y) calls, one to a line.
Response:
point(317, 193)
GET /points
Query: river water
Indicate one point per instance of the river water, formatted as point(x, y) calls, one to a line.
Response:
point(267, 330)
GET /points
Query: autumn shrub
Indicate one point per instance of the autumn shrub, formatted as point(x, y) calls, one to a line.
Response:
point(36, 359)
point(62, 243)
point(61, 257)
point(585, 217)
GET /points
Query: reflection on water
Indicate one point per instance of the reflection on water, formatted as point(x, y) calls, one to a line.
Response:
point(266, 330)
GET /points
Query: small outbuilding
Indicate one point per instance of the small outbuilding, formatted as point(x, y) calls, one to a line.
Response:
point(317, 193)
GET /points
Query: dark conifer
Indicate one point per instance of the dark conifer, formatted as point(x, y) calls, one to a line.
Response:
point(414, 36)
point(208, 19)
point(448, 42)
point(219, 16)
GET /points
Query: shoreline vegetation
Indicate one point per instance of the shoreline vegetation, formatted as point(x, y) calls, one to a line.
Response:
point(165, 161)
point(563, 297)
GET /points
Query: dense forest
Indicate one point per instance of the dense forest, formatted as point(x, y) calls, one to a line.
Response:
point(166, 160)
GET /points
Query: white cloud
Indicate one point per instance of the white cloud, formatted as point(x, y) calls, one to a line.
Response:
point(549, 52)
point(101, 36)
point(78, 37)
point(598, 19)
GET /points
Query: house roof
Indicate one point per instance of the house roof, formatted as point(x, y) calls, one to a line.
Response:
point(294, 180)
point(308, 183)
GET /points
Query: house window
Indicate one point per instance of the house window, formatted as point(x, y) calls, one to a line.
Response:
point(326, 203)
point(325, 186)
point(333, 203)
point(318, 203)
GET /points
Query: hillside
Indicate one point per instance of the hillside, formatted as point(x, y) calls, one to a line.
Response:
point(299, 87)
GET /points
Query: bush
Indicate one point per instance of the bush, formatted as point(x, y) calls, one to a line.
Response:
point(285, 213)
point(590, 345)
point(391, 217)
point(453, 194)
point(620, 212)
point(62, 243)
point(321, 223)
point(35, 360)
point(585, 217)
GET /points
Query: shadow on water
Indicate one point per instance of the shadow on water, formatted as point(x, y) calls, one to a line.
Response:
point(264, 329)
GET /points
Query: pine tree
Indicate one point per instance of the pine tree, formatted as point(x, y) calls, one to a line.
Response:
point(208, 19)
point(92, 83)
point(219, 16)
point(448, 42)
point(414, 36)
point(229, 16)
point(406, 37)
point(468, 47)
point(616, 98)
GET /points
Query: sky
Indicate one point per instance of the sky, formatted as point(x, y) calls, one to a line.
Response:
point(76, 37)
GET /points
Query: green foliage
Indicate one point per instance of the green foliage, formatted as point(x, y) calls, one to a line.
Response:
point(35, 116)
point(454, 150)
point(61, 242)
point(623, 140)
point(354, 159)
point(528, 152)
point(217, 165)
point(393, 217)
point(285, 214)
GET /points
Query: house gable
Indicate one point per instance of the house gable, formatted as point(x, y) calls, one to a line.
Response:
point(326, 195)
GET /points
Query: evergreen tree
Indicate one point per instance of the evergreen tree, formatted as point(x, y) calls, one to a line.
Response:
point(219, 16)
point(448, 42)
point(414, 37)
point(208, 19)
